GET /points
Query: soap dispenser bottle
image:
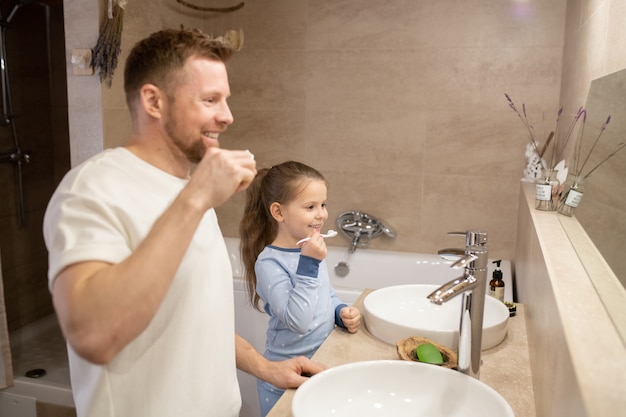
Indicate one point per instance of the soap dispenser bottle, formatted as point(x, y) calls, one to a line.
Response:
point(496, 285)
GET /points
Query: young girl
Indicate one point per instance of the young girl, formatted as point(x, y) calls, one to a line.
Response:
point(290, 282)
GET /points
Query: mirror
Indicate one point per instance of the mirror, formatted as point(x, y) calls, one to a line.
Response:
point(602, 211)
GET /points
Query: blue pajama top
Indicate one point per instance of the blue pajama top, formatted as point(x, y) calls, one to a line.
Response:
point(300, 300)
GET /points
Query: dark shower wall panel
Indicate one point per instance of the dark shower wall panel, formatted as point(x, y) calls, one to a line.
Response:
point(36, 62)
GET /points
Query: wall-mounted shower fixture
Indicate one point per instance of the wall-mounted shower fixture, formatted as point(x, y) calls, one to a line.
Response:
point(16, 156)
point(360, 228)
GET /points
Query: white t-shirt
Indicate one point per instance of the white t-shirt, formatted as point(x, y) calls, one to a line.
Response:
point(183, 364)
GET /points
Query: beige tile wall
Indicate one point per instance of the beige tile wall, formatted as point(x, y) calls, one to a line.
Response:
point(576, 352)
point(594, 48)
point(552, 282)
point(400, 104)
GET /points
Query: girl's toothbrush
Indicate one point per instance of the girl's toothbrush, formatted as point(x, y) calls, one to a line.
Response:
point(330, 233)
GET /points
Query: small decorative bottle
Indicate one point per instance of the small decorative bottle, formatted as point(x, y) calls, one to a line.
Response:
point(572, 195)
point(496, 285)
point(546, 191)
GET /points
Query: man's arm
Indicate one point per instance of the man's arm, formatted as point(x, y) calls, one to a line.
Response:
point(290, 373)
point(103, 307)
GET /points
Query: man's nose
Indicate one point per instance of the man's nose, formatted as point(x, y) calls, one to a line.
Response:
point(224, 115)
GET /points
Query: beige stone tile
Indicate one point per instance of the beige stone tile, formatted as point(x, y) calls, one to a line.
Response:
point(80, 24)
point(371, 25)
point(573, 17)
point(595, 36)
point(272, 136)
point(365, 80)
point(117, 127)
point(391, 142)
point(268, 79)
point(408, 24)
point(393, 198)
point(589, 8)
point(474, 77)
point(475, 144)
point(277, 24)
point(615, 59)
point(470, 204)
point(113, 97)
point(85, 131)
point(483, 23)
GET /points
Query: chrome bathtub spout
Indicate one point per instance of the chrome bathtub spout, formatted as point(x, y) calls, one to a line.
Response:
point(355, 241)
point(471, 286)
point(360, 228)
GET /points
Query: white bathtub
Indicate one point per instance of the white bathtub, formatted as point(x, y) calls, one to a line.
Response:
point(368, 268)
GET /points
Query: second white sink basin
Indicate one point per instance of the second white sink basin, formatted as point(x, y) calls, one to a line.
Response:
point(400, 311)
point(395, 388)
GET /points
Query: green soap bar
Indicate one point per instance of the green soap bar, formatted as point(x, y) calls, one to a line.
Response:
point(427, 352)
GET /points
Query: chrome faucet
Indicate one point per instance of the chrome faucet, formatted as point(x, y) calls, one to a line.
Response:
point(471, 286)
point(472, 237)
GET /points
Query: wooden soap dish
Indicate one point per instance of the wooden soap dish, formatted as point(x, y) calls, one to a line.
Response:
point(406, 350)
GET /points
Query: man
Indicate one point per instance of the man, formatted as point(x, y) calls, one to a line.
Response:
point(139, 272)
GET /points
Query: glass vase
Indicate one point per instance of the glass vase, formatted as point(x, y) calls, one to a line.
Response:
point(572, 194)
point(546, 191)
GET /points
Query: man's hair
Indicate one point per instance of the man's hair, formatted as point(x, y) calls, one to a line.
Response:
point(158, 58)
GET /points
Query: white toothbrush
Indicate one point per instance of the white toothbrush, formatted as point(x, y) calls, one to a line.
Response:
point(330, 233)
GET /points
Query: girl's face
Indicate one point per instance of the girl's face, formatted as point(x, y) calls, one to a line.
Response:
point(303, 215)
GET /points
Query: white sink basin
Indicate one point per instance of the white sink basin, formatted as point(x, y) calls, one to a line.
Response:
point(400, 311)
point(396, 388)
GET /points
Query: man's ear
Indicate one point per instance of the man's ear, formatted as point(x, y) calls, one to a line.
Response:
point(152, 100)
point(276, 212)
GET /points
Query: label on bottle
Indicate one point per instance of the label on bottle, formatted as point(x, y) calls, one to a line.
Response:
point(543, 192)
point(497, 292)
point(573, 198)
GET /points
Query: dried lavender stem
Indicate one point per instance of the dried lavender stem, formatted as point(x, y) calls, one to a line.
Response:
point(602, 128)
point(108, 47)
point(545, 146)
point(556, 135)
point(617, 149)
point(570, 130)
point(525, 122)
point(579, 145)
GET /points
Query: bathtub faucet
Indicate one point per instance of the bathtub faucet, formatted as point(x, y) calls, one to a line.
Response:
point(471, 286)
point(360, 228)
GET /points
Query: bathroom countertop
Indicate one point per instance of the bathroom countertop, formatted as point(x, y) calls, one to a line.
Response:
point(506, 367)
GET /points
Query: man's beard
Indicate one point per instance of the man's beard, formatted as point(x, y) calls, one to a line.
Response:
point(194, 152)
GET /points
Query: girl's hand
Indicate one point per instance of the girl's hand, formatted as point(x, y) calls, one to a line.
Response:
point(351, 317)
point(315, 247)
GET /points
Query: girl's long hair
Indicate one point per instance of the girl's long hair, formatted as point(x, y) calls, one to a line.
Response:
point(257, 229)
